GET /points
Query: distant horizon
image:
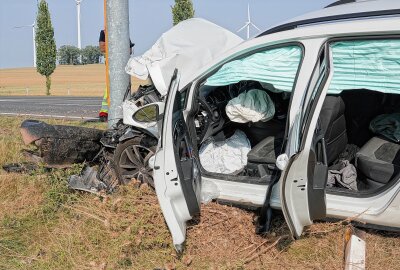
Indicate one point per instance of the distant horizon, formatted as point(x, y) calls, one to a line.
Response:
point(3, 68)
point(148, 20)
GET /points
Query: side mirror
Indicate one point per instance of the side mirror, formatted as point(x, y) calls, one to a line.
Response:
point(147, 114)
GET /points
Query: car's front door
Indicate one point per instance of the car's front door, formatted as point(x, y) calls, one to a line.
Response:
point(177, 176)
point(303, 183)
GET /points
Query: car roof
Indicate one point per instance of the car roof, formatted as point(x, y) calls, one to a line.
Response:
point(339, 11)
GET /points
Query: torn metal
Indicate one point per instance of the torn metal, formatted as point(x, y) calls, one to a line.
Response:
point(60, 145)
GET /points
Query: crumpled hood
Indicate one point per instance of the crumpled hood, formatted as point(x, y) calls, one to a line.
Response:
point(188, 46)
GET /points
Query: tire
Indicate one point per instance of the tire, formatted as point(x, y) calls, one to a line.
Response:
point(132, 160)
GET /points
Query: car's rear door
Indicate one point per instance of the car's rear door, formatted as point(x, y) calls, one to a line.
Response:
point(176, 170)
point(303, 183)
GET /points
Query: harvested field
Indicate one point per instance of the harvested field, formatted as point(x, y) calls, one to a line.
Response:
point(43, 225)
point(86, 80)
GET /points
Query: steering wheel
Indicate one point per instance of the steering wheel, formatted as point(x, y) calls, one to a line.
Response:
point(206, 115)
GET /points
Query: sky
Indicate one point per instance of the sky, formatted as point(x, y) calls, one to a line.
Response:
point(148, 20)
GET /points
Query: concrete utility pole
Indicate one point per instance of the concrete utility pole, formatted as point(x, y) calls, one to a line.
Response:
point(117, 37)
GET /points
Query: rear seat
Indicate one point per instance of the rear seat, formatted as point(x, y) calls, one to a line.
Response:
point(379, 160)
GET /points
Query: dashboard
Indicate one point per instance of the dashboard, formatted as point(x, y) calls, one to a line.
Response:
point(211, 117)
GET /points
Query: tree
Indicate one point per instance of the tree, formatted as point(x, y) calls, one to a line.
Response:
point(68, 55)
point(91, 55)
point(182, 10)
point(46, 52)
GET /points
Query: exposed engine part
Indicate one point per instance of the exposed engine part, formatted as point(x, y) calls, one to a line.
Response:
point(145, 95)
point(111, 137)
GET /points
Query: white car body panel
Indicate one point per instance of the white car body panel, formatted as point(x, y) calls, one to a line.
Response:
point(241, 193)
point(380, 209)
point(384, 208)
point(170, 196)
point(360, 6)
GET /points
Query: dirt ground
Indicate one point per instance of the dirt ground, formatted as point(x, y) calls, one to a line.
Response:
point(86, 80)
point(43, 225)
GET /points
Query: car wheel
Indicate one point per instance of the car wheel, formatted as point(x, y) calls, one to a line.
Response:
point(132, 160)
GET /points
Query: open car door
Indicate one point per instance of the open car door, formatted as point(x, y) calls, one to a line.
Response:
point(303, 187)
point(176, 170)
point(304, 180)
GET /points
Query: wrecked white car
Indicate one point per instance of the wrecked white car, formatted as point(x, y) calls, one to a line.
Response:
point(132, 143)
point(302, 118)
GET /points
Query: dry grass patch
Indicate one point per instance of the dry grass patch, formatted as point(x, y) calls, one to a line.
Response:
point(44, 225)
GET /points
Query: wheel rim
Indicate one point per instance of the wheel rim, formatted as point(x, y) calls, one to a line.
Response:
point(134, 164)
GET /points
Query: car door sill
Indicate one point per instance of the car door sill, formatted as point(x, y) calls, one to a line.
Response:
point(263, 181)
point(244, 194)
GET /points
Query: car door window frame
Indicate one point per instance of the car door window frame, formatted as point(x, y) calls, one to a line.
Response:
point(314, 92)
point(197, 83)
point(387, 187)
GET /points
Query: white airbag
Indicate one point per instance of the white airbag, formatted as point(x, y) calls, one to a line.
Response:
point(228, 156)
point(251, 106)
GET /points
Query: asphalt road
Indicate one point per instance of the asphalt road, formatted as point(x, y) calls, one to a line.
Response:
point(85, 108)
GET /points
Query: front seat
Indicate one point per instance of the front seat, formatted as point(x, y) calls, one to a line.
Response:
point(332, 123)
point(379, 160)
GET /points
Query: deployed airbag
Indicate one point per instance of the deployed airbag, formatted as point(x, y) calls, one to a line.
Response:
point(228, 156)
point(251, 106)
point(188, 46)
point(359, 64)
point(366, 64)
point(276, 67)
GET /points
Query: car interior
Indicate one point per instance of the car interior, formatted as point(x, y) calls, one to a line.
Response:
point(265, 137)
point(360, 124)
point(346, 120)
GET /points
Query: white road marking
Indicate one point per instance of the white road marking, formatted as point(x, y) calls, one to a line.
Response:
point(50, 104)
point(49, 116)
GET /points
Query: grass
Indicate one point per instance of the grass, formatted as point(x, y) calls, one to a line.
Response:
point(44, 225)
point(86, 80)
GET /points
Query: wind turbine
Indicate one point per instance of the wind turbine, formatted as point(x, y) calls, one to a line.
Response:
point(78, 18)
point(33, 25)
point(248, 24)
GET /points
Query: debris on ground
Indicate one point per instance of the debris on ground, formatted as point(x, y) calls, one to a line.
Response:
point(87, 181)
point(96, 179)
point(22, 167)
point(60, 145)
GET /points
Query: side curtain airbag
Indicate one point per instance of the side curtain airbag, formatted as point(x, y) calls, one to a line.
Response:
point(275, 66)
point(366, 64)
